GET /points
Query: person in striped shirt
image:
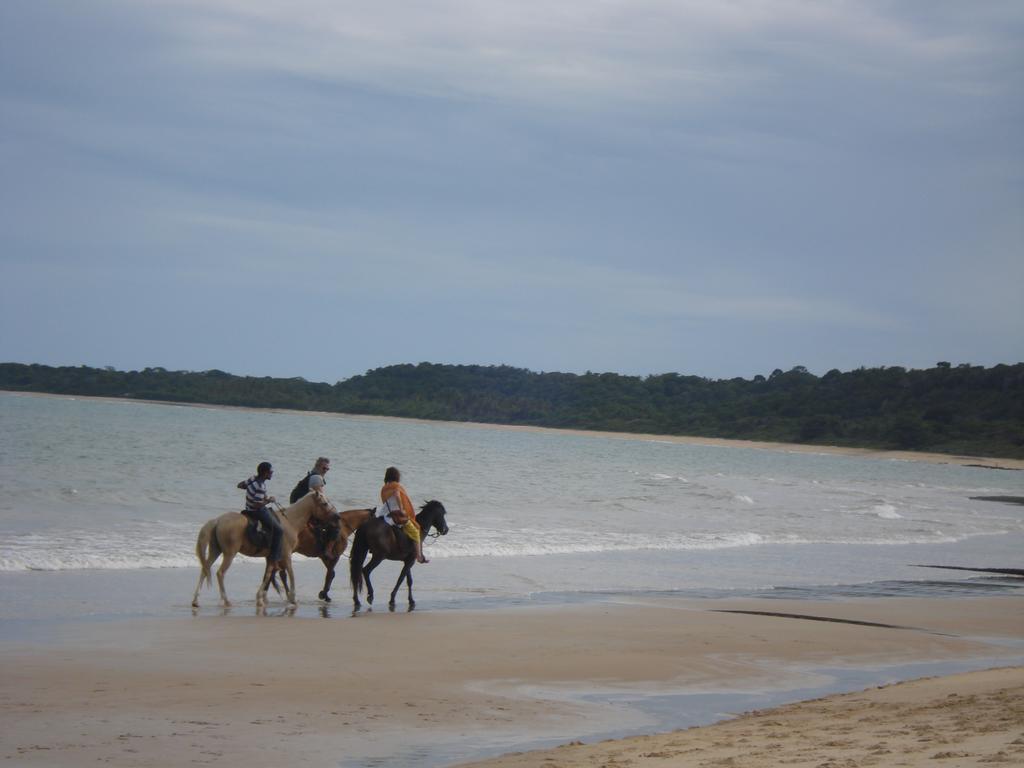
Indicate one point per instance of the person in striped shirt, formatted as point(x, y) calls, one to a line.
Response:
point(256, 501)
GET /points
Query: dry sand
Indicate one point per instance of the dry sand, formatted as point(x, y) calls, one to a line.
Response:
point(434, 688)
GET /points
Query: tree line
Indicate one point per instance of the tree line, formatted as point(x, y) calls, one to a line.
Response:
point(962, 408)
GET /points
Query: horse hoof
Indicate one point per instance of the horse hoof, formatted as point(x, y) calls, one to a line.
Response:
point(324, 596)
point(195, 603)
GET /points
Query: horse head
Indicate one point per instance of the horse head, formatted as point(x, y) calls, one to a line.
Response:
point(323, 509)
point(432, 514)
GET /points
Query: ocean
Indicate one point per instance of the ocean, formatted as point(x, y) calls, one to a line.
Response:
point(102, 499)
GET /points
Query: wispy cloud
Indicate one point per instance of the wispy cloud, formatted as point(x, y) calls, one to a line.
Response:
point(576, 52)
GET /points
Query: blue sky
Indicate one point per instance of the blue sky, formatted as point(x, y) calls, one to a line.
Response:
point(319, 188)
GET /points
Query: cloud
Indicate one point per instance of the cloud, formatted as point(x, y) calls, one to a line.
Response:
point(579, 52)
point(772, 178)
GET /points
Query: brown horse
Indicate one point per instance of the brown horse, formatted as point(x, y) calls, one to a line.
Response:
point(226, 535)
point(384, 542)
point(331, 545)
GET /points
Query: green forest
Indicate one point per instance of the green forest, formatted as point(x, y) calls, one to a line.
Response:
point(963, 408)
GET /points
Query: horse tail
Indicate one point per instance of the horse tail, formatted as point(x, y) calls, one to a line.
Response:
point(356, 558)
point(207, 550)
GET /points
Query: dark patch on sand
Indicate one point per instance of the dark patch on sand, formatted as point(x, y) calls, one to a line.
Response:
point(1000, 571)
point(807, 617)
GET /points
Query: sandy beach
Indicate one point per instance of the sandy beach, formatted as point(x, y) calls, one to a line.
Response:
point(440, 688)
point(962, 720)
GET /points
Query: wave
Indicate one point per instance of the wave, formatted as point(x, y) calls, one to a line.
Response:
point(678, 543)
point(93, 561)
point(108, 550)
point(887, 512)
point(81, 550)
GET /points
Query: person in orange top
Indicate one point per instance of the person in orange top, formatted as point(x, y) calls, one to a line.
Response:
point(401, 510)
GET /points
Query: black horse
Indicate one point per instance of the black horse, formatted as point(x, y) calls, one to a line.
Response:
point(385, 542)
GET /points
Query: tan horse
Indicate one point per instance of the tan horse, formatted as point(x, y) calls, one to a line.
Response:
point(333, 549)
point(226, 535)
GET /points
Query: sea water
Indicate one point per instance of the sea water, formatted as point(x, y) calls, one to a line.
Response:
point(101, 497)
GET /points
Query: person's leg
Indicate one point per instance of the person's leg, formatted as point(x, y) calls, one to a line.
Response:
point(413, 532)
point(276, 531)
point(276, 535)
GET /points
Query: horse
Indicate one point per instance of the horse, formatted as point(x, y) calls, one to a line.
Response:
point(329, 552)
point(226, 535)
point(381, 539)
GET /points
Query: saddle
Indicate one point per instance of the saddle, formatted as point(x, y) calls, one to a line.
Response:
point(387, 514)
point(257, 535)
point(403, 544)
point(323, 534)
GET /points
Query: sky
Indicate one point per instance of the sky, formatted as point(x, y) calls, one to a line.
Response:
point(318, 188)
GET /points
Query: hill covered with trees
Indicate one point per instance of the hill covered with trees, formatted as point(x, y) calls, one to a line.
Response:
point(953, 409)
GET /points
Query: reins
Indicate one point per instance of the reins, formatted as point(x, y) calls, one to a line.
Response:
point(281, 509)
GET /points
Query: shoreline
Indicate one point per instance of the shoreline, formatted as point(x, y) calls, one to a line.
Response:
point(438, 688)
point(982, 462)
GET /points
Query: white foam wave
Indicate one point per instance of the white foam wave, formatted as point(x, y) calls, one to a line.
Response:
point(887, 512)
point(884, 511)
point(172, 546)
point(491, 544)
point(78, 550)
point(95, 561)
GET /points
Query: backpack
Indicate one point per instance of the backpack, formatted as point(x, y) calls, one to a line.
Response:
point(301, 489)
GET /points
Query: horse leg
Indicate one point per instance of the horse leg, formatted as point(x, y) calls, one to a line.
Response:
point(329, 563)
point(406, 574)
point(261, 593)
point(374, 562)
point(289, 589)
point(408, 580)
point(225, 564)
point(195, 596)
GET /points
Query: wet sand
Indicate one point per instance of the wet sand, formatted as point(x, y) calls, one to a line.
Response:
point(436, 688)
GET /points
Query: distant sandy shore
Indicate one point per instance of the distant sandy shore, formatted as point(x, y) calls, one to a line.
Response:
point(436, 688)
point(932, 458)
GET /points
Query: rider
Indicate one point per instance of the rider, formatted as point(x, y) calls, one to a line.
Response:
point(400, 508)
point(324, 532)
point(256, 501)
point(304, 486)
